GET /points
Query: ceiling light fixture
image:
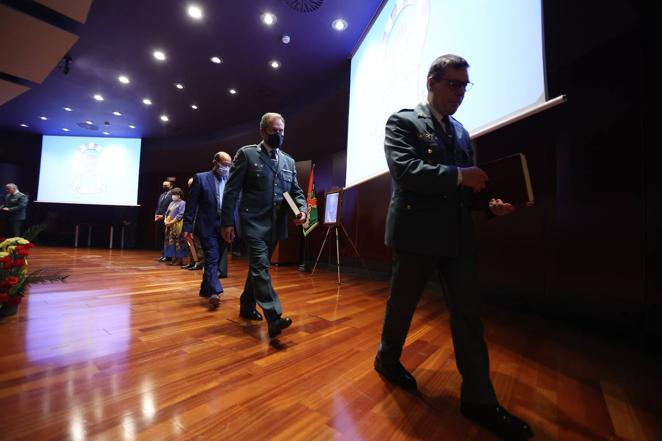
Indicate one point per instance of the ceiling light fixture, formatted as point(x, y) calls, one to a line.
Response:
point(159, 55)
point(124, 79)
point(232, 91)
point(268, 18)
point(65, 129)
point(339, 24)
point(285, 39)
point(275, 64)
point(43, 118)
point(131, 126)
point(23, 125)
point(216, 60)
point(98, 97)
point(179, 86)
point(116, 113)
point(67, 109)
point(195, 11)
point(106, 133)
point(88, 122)
point(165, 118)
point(147, 101)
point(194, 107)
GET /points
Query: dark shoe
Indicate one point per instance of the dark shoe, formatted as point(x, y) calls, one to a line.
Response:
point(498, 420)
point(161, 259)
point(196, 266)
point(213, 302)
point(187, 266)
point(277, 326)
point(250, 314)
point(395, 373)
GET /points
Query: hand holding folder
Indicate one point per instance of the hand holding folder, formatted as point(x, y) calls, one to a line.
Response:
point(508, 180)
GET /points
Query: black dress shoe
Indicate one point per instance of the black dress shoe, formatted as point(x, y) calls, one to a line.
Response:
point(213, 302)
point(277, 326)
point(161, 259)
point(395, 373)
point(196, 266)
point(497, 420)
point(250, 314)
point(187, 266)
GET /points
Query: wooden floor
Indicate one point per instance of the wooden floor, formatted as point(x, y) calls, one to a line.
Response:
point(124, 350)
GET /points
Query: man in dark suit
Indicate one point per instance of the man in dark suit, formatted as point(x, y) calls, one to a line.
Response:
point(262, 173)
point(159, 216)
point(429, 227)
point(15, 207)
point(202, 217)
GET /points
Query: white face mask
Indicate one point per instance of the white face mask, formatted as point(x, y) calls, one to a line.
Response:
point(175, 198)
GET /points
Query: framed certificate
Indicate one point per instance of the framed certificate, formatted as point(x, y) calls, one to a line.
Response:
point(332, 206)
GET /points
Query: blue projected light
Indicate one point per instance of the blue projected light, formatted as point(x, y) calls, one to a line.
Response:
point(86, 170)
point(501, 40)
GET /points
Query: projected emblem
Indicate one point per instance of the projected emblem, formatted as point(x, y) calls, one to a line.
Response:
point(88, 177)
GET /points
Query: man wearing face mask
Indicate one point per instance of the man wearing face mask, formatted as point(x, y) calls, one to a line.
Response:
point(203, 213)
point(165, 199)
point(262, 173)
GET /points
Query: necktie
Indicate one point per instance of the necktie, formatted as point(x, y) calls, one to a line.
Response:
point(272, 153)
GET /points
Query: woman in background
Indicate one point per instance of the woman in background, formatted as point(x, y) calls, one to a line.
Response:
point(175, 246)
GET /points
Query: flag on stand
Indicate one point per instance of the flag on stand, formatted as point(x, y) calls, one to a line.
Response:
point(311, 201)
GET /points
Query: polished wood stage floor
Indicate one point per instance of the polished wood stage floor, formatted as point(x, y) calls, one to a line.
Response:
point(124, 350)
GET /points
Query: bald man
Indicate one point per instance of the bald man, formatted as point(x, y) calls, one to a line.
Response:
point(203, 218)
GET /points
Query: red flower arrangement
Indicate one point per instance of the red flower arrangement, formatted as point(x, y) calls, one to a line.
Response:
point(14, 276)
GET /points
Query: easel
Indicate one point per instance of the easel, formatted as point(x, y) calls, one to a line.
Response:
point(332, 208)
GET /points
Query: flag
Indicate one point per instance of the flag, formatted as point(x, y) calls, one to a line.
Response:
point(311, 201)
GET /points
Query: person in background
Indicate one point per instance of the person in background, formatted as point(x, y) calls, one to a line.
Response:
point(159, 215)
point(261, 174)
point(203, 219)
point(175, 247)
point(198, 264)
point(15, 207)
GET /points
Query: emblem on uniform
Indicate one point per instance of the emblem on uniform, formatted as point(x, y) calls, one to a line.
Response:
point(425, 136)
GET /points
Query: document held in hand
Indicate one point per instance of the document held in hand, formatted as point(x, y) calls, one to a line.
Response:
point(290, 202)
point(509, 180)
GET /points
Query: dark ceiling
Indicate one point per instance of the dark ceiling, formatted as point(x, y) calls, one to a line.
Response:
point(119, 37)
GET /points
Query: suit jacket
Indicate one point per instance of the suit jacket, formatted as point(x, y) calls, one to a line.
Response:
point(262, 211)
point(17, 204)
point(429, 213)
point(202, 215)
point(164, 201)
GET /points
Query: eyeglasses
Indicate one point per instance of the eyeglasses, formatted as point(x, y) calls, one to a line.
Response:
point(458, 85)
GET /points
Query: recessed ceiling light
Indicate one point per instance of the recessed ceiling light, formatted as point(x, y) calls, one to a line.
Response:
point(159, 55)
point(268, 18)
point(106, 133)
point(88, 122)
point(147, 101)
point(216, 60)
point(131, 126)
point(116, 113)
point(124, 79)
point(98, 97)
point(179, 86)
point(23, 125)
point(43, 118)
point(285, 39)
point(165, 118)
point(194, 107)
point(68, 109)
point(274, 64)
point(232, 91)
point(65, 129)
point(339, 24)
point(195, 11)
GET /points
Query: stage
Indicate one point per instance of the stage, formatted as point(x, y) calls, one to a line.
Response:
point(124, 349)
